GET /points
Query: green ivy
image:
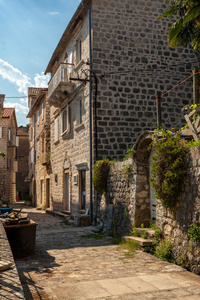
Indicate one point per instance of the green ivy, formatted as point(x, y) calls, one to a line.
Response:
point(194, 233)
point(168, 168)
point(101, 171)
point(126, 172)
point(130, 153)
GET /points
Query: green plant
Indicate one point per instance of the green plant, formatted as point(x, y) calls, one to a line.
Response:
point(130, 153)
point(182, 261)
point(139, 232)
point(164, 251)
point(2, 154)
point(194, 233)
point(192, 144)
point(101, 171)
point(126, 172)
point(168, 168)
point(28, 197)
point(158, 234)
point(129, 246)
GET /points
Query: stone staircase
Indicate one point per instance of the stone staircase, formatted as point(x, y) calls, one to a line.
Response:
point(143, 242)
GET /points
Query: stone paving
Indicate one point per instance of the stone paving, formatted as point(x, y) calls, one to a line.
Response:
point(10, 286)
point(69, 264)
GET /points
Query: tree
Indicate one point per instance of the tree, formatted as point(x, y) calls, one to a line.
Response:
point(185, 30)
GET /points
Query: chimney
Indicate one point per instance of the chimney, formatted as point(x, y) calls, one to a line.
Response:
point(1, 104)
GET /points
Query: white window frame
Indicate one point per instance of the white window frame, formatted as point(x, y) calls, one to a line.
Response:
point(70, 60)
point(79, 50)
point(65, 120)
point(79, 111)
point(1, 132)
point(56, 132)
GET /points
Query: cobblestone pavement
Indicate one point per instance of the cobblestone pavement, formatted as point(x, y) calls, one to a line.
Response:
point(69, 264)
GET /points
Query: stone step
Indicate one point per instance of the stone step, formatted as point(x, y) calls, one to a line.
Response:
point(149, 232)
point(58, 213)
point(142, 242)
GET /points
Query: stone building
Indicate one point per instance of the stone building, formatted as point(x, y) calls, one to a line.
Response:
point(8, 143)
point(22, 158)
point(126, 52)
point(39, 149)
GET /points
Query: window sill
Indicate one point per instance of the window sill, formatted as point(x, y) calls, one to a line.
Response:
point(78, 127)
point(65, 132)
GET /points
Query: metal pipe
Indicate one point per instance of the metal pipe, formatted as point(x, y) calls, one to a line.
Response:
point(90, 107)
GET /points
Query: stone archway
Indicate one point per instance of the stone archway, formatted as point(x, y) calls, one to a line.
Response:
point(142, 184)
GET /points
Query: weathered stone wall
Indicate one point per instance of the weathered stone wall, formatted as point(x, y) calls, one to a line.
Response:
point(176, 225)
point(133, 61)
point(11, 287)
point(116, 209)
point(7, 172)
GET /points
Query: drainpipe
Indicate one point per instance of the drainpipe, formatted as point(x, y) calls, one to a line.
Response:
point(34, 162)
point(90, 107)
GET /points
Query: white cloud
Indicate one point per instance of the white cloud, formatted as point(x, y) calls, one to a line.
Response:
point(41, 80)
point(19, 108)
point(24, 100)
point(12, 74)
point(53, 13)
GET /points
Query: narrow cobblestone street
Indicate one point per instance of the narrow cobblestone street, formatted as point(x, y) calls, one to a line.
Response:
point(70, 264)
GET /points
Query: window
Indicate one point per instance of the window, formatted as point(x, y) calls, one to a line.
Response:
point(65, 120)
point(70, 62)
point(79, 112)
point(31, 156)
point(1, 133)
point(56, 129)
point(79, 50)
point(9, 134)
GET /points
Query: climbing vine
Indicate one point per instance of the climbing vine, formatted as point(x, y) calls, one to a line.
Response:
point(101, 171)
point(168, 168)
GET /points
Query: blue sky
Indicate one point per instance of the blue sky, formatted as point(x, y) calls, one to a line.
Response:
point(29, 33)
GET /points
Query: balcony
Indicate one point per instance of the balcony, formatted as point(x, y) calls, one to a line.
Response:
point(60, 86)
point(45, 158)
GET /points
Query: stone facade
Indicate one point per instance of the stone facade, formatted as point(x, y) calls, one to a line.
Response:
point(8, 144)
point(176, 226)
point(22, 157)
point(116, 209)
point(131, 61)
point(39, 152)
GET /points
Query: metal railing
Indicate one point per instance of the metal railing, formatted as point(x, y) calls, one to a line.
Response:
point(62, 74)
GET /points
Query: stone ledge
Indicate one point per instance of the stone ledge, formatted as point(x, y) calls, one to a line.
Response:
point(10, 283)
point(142, 242)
